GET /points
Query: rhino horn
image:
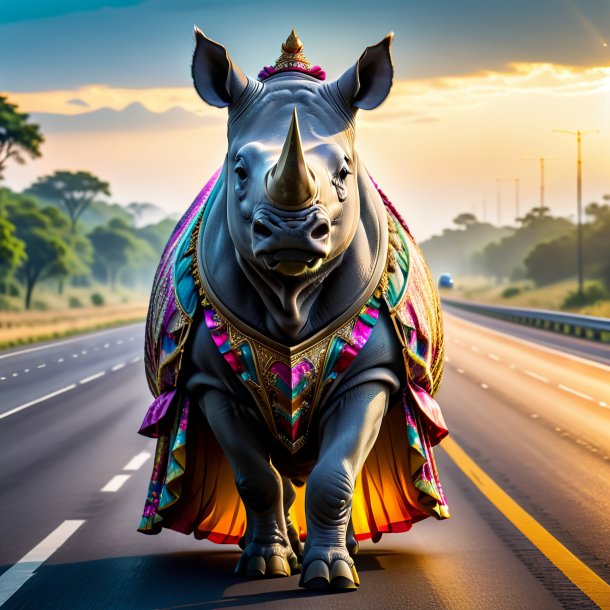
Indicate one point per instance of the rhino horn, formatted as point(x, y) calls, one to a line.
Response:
point(290, 183)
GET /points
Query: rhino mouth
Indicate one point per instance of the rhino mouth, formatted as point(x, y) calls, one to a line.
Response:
point(291, 261)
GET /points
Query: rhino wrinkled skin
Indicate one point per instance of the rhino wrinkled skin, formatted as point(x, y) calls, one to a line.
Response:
point(299, 234)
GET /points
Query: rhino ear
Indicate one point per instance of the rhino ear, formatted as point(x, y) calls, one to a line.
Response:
point(366, 84)
point(217, 80)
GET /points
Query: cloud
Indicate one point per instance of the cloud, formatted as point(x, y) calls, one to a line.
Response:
point(410, 102)
point(155, 99)
point(430, 100)
point(134, 117)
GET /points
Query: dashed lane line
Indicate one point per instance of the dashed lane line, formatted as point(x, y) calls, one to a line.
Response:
point(494, 357)
point(536, 376)
point(17, 575)
point(57, 392)
point(92, 377)
point(137, 461)
point(565, 388)
point(115, 483)
point(38, 400)
point(580, 574)
point(485, 386)
point(41, 366)
point(531, 344)
point(37, 348)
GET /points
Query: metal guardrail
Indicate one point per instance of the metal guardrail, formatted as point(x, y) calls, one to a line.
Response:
point(585, 327)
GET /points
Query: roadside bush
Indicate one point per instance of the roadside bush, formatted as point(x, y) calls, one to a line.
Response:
point(511, 291)
point(593, 293)
point(40, 305)
point(74, 302)
point(97, 299)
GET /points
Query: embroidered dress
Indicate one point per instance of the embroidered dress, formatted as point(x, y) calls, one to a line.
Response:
point(192, 489)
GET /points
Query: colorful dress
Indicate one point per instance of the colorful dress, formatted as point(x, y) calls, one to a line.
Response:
point(192, 488)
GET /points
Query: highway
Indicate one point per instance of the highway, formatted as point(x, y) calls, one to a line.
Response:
point(528, 410)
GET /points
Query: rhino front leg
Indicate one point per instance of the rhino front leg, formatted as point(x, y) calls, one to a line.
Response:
point(267, 551)
point(347, 438)
point(293, 535)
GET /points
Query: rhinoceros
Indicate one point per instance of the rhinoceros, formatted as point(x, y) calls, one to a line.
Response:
point(294, 336)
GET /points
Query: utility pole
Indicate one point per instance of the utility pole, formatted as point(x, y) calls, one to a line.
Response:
point(542, 161)
point(579, 248)
point(516, 181)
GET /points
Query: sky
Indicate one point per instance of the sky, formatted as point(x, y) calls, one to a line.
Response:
point(479, 88)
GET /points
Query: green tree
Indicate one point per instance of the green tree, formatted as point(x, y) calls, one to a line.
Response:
point(72, 191)
point(465, 219)
point(12, 252)
point(505, 259)
point(117, 248)
point(48, 253)
point(17, 136)
point(455, 251)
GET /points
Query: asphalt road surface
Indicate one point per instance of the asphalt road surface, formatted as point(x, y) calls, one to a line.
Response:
point(528, 411)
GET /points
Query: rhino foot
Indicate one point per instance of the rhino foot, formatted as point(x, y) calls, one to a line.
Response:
point(329, 568)
point(266, 561)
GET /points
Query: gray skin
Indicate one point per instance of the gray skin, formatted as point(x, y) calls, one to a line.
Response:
point(290, 253)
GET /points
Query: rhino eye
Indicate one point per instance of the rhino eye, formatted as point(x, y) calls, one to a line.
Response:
point(344, 173)
point(241, 173)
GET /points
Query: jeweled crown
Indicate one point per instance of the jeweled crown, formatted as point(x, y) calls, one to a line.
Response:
point(292, 60)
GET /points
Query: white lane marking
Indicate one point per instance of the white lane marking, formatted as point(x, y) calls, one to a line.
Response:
point(106, 345)
point(2, 378)
point(474, 348)
point(15, 375)
point(60, 360)
point(565, 388)
point(512, 366)
point(38, 400)
point(484, 386)
point(536, 376)
point(544, 348)
point(29, 350)
point(493, 357)
point(131, 338)
point(460, 371)
point(119, 342)
point(118, 366)
point(92, 377)
point(603, 404)
point(17, 575)
point(446, 358)
point(41, 366)
point(83, 352)
point(534, 415)
point(137, 461)
point(134, 360)
point(26, 370)
point(74, 355)
point(115, 483)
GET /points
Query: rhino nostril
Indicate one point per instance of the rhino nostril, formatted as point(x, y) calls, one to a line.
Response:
point(262, 230)
point(320, 232)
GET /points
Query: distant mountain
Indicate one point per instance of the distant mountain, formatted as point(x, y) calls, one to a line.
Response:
point(133, 117)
